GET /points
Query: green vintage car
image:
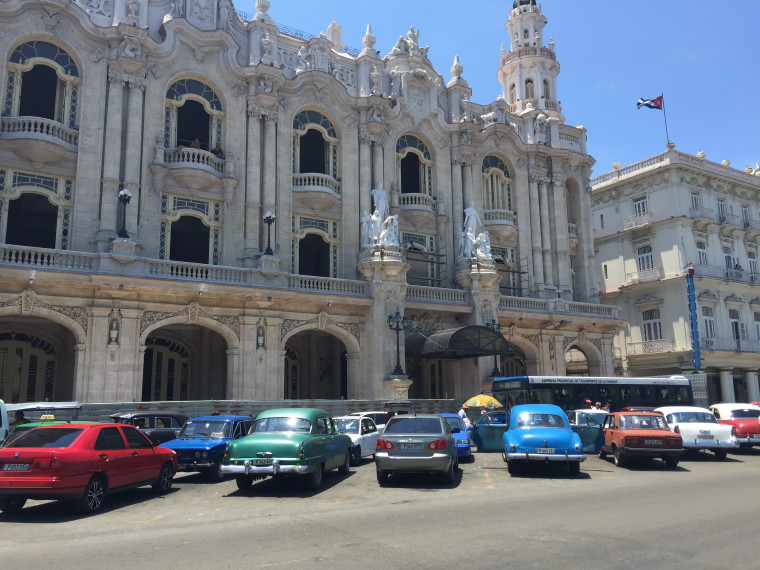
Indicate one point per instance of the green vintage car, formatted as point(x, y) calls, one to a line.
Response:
point(288, 441)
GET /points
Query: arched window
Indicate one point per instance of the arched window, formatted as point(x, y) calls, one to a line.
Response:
point(512, 94)
point(190, 230)
point(192, 111)
point(547, 91)
point(497, 185)
point(43, 81)
point(530, 92)
point(414, 166)
point(644, 259)
point(27, 368)
point(315, 145)
point(652, 327)
point(166, 370)
point(315, 247)
point(422, 258)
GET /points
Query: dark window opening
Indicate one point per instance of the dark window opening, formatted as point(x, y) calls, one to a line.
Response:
point(193, 122)
point(313, 153)
point(32, 221)
point(147, 374)
point(410, 174)
point(39, 86)
point(189, 242)
point(314, 256)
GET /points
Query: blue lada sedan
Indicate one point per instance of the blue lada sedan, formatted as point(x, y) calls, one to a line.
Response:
point(541, 432)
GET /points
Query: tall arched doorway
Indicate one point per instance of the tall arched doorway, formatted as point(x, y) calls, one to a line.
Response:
point(315, 367)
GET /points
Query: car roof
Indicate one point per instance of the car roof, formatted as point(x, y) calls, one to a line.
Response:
point(306, 413)
point(671, 409)
point(218, 418)
point(352, 418)
point(537, 408)
point(629, 413)
point(448, 415)
point(147, 414)
point(735, 406)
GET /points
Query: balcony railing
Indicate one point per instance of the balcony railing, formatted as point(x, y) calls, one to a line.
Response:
point(650, 346)
point(702, 214)
point(315, 181)
point(644, 276)
point(638, 220)
point(186, 157)
point(416, 201)
point(724, 274)
point(499, 216)
point(730, 344)
point(530, 305)
point(53, 259)
point(39, 128)
point(436, 295)
point(328, 285)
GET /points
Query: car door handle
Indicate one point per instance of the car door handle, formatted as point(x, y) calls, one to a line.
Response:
point(135, 453)
point(103, 456)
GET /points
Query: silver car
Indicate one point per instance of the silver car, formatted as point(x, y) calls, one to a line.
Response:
point(416, 443)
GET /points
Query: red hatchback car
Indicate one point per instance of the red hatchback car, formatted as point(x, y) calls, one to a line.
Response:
point(83, 462)
point(640, 434)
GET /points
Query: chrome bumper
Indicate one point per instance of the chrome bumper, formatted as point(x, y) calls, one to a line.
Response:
point(709, 444)
point(525, 456)
point(752, 440)
point(274, 469)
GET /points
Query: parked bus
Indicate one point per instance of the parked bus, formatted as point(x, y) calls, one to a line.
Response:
point(571, 392)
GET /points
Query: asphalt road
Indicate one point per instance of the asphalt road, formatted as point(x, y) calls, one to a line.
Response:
point(703, 514)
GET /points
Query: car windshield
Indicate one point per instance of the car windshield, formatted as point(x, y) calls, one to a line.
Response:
point(455, 423)
point(46, 437)
point(693, 417)
point(279, 424)
point(531, 420)
point(492, 418)
point(412, 424)
point(634, 421)
point(347, 426)
point(220, 429)
point(745, 413)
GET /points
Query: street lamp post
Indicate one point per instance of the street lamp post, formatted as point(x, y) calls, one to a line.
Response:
point(397, 323)
point(124, 197)
point(496, 327)
point(269, 219)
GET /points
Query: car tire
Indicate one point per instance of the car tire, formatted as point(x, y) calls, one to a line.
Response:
point(574, 467)
point(356, 455)
point(244, 482)
point(602, 454)
point(382, 477)
point(619, 458)
point(215, 473)
point(315, 477)
point(346, 467)
point(513, 467)
point(12, 504)
point(448, 475)
point(165, 479)
point(721, 454)
point(671, 462)
point(93, 497)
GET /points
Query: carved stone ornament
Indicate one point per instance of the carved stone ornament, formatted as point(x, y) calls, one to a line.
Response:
point(289, 325)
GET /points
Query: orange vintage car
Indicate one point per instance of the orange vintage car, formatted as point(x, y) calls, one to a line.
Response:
point(640, 434)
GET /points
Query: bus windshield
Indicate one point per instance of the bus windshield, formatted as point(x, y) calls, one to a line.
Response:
point(581, 392)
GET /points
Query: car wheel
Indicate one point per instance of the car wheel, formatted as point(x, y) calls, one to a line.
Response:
point(382, 477)
point(448, 475)
point(504, 457)
point(574, 467)
point(215, 473)
point(12, 504)
point(619, 457)
point(93, 497)
point(513, 467)
point(720, 454)
point(602, 454)
point(315, 477)
point(671, 462)
point(356, 455)
point(345, 468)
point(165, 479)
point(244, 482)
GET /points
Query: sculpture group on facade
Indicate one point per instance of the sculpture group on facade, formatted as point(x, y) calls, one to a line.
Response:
point(472, 244)
point(379, 228)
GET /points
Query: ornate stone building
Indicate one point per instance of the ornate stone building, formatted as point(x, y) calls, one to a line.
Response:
point(197, 203)
point(655, 219)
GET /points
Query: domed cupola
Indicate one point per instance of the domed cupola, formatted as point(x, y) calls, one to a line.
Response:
point(528, 72)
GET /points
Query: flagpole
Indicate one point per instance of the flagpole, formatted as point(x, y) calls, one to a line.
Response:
point(667, 136)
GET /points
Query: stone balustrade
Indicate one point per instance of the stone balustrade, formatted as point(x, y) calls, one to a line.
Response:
point(315, 181)
point(39, 128)
point(328, 285)
point(437, 295)
point(650, 346)
point(730, 344)
point(416, 201)
point(186, 157)
point(499, 216)
point(644, 275)
point(54, 259)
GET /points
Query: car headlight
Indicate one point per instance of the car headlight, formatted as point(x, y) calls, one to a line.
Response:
point(197, 454)
point(205, 455)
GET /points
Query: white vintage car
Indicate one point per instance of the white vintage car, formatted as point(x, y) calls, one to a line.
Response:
point(363, 433)
point(700, 429)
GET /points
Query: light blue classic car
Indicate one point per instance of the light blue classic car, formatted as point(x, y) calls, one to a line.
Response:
point(540, 432)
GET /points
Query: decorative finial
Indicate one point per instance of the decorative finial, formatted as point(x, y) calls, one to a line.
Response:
point(671, 145)
point(701, 154)
point(748, 170)
point(616, 165)
point(726, 162)
point(551, 44)
point(368, 41)
point(456, 69)
point(262, 6)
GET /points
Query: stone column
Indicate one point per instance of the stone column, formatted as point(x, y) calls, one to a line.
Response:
point(356, 387)
point(377, 164)
point(133, 151)
point(457, 202)
point(270, 170)
point(234, 391)
point(253, 187)
point(365, 173)
point(546, 236)
point(535, 234)
point(562, 247)
point(467, 181)
point(753, 389)
point(109, 200)
point(727, 386)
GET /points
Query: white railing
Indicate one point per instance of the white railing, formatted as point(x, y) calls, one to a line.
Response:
point(327, 285)
point(730, 344)
point(502, 216)
point(509, 303)
point(436, 294)
point(725, 274)
point(650, 346)
point(644, 276)
point(197, 272)
point(39, 128)
point(32, 257)
point(702, 213)
point(184, 157)
point(315, 181)
point(416, 201)
point(638, 220)
point(612, 311)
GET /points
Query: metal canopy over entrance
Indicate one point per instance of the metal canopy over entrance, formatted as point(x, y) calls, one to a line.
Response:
point(461, 342)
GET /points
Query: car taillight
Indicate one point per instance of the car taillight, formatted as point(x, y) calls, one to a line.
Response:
point(675, 442)
point(47, 463)
point(300, 451)
point(383, 444)
point(676, 429)
point(733, 431)
point(630, 441)
point(438, 444)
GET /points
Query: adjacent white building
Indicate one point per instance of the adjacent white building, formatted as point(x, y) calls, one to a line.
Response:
point(197, 203)
point(653, 221)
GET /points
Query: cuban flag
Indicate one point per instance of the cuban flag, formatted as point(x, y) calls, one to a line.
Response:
point(655, 103)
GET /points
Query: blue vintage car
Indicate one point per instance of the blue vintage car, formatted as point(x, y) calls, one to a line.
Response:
point(462, 437)
point(540, 432)
point(489, 429)
point(201, 442)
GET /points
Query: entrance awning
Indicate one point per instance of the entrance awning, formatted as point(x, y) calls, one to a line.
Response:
point(461, 342)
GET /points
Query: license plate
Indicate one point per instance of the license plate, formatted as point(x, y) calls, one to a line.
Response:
point(411, 446)
point(261, 462)
point(548, 450)
point(653, 441)
point(16, 467)
point(700, 436)
point(757, 436)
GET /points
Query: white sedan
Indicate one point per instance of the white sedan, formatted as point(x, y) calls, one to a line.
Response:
point(700, 429)
point(363, 433)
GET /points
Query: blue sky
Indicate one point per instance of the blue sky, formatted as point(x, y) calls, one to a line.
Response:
point(703, 56)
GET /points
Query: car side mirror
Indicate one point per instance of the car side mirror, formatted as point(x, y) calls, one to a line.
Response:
point(455, 430)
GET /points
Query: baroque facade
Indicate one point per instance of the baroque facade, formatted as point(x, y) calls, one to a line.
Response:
point(201, 204)
point(656, 222)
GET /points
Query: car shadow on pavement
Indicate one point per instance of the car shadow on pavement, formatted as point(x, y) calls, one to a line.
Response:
point(425, 481)
point(62, 511)
point(538, 470)
point(708, 457)
point(650, 464)
point(294, 486)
